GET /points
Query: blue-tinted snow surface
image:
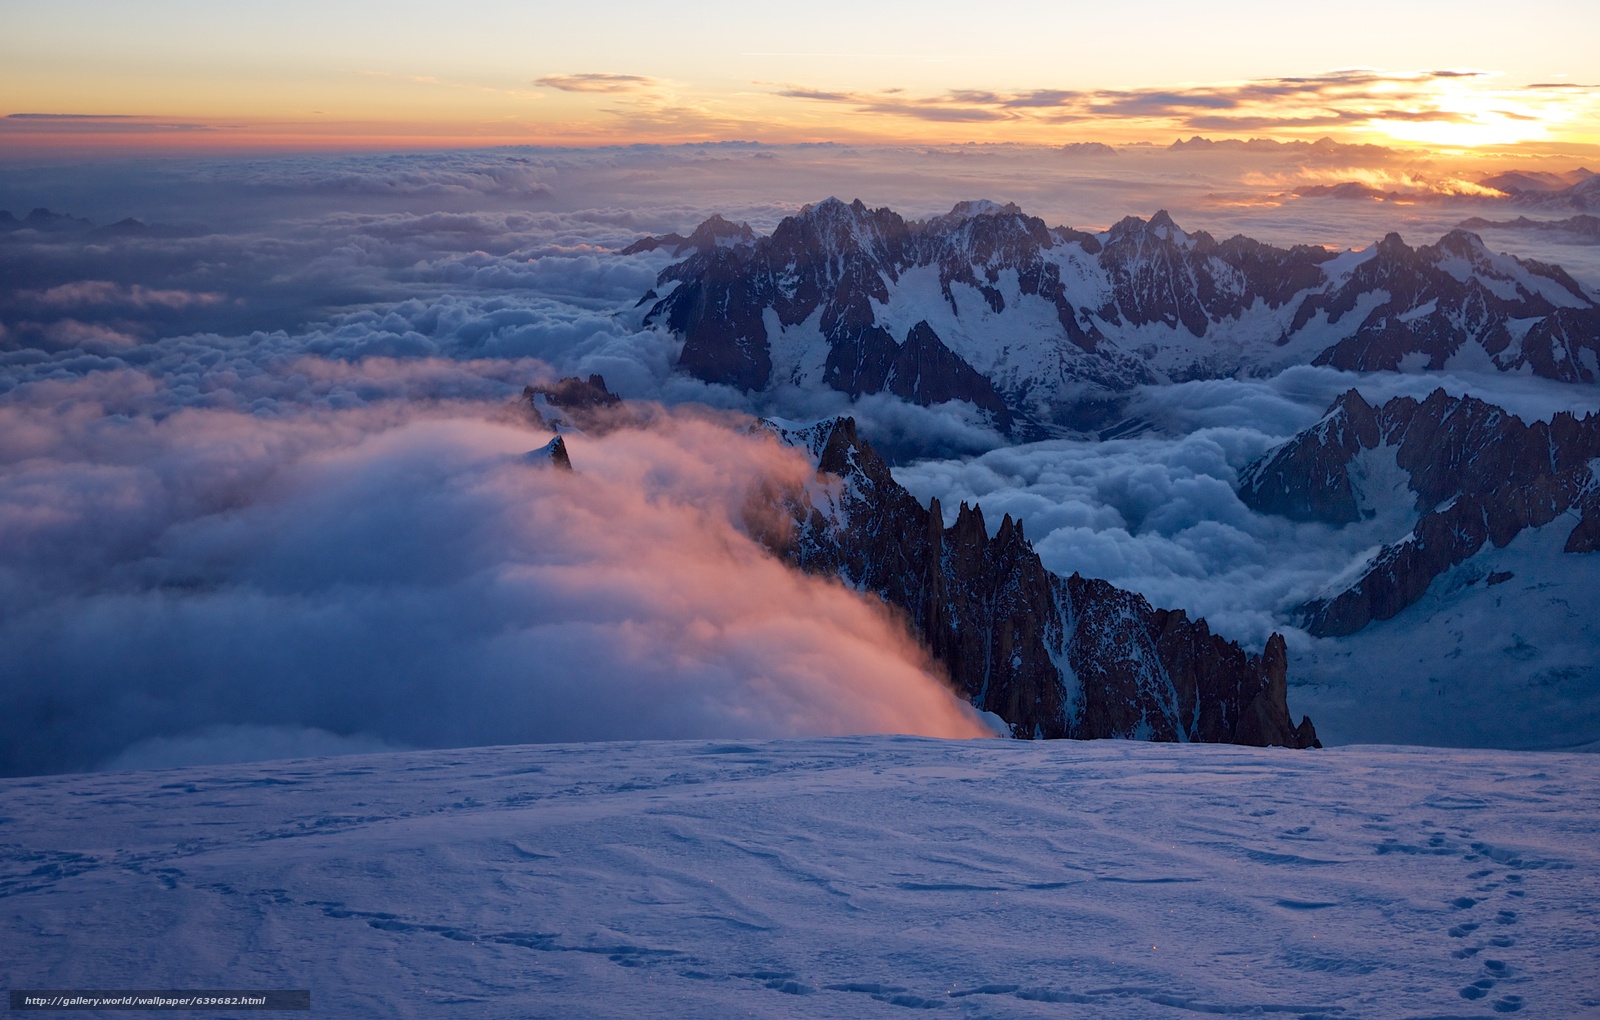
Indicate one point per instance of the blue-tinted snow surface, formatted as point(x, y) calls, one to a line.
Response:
point(825, 878)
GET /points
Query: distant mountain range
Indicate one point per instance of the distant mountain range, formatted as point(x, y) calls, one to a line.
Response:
point(1577, 191)
point(1321, 149)
point(1581, 229)
point(1036, 326)
point(1574, 191)
point(43, 221)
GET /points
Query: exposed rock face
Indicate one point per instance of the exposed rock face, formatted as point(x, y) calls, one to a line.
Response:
point(1053, 656)
point(1040, 321)
point(1479, 474)
point(1159, 274)
point(714, 232)
point(575, 403)
point(925, 371)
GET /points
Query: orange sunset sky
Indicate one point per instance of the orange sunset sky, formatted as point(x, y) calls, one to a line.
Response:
point(180, 75)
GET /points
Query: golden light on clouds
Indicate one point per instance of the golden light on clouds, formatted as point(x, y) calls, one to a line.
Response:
point(1449, 109)
point(1456, 108)
point(1027, 71)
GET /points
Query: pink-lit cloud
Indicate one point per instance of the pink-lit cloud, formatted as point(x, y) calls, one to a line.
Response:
point(399, 573)
point(102, 293)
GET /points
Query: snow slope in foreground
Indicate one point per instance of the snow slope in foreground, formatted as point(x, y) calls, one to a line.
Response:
point(829, 878)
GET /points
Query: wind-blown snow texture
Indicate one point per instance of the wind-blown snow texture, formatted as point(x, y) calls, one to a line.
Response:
point(827, 878)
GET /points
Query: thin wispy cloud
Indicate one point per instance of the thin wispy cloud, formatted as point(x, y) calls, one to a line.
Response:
point(94, 123)
point(69, 116)
point(597, 82)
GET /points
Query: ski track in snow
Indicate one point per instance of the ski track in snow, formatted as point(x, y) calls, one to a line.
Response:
point(844, 877)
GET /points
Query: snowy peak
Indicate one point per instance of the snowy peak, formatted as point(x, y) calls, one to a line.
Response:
point(831, 228)
point(718, 231)
point(552, 454)
point(961, 212)
point(713, 232)
point(983, 207)
point(1478, 475)
point(1158, 230)
point(1159, 274)
point(1577, 190)
point(1308, 478)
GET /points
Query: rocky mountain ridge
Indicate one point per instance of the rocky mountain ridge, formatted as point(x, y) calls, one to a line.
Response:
point(1477, 474)
point(1054, 657)
point(1028, 323)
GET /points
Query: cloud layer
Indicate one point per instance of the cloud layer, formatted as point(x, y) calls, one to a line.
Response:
point(261, 482)
point(1157, 514)
point(396, 576)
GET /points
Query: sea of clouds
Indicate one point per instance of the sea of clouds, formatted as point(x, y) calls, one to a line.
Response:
point(262, 483)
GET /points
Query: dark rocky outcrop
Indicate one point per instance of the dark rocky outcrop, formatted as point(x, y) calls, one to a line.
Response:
point(922, 370)
point(1053, 656)
point(1308, 478)
point(1479, 475)
point(575, 403)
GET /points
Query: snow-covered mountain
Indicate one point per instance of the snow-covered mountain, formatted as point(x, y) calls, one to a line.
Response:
point(1476, 619)
point(1052, 656)
point(1032, 324)
point(1472, 474)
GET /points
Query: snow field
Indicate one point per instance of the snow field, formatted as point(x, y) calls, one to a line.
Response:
point(844, 877)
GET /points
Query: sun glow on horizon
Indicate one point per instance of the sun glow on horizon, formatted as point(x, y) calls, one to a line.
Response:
point(185, 76)
point(1434, 110)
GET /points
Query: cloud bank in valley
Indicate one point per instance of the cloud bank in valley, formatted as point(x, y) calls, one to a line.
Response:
point(265, 496)
point(400, 576)
point(1158, 513)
